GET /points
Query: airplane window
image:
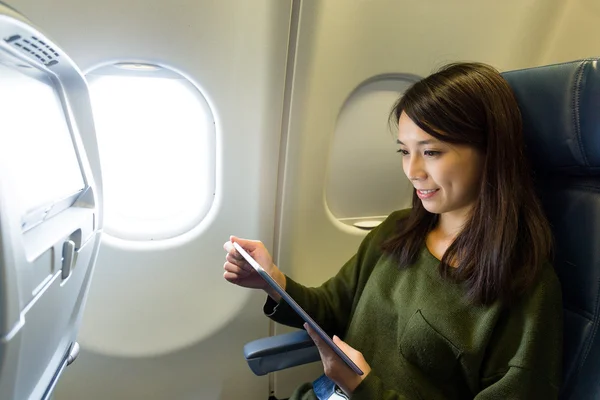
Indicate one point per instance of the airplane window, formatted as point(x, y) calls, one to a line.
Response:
point(156, 138)
point(365, 181)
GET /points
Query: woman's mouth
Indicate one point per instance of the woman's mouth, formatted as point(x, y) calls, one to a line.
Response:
point(426, 194)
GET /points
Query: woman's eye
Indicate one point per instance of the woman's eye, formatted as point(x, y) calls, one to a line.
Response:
point(402, 151)
point(431, 153)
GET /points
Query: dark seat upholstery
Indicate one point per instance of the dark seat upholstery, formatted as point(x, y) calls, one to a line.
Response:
point(560, 105)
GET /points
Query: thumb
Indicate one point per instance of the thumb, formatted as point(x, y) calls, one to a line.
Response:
point(315, 337)
point(248, 245)
point(341, 344)
point(324, 350)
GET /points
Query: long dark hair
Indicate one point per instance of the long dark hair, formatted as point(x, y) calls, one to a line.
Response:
point(502, 246)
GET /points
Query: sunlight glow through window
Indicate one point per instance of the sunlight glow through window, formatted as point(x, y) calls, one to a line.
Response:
point(157, 145)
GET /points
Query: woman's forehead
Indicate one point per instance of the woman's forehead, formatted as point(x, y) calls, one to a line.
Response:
point(409, 132)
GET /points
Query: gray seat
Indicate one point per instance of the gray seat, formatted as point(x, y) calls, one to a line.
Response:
point(50, 208)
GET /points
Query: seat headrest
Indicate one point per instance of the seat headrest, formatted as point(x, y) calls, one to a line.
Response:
point(560, 106)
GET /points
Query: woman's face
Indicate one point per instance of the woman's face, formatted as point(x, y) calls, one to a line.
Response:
point(446, 176)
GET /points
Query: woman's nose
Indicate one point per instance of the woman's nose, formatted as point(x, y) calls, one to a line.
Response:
point(414, 169)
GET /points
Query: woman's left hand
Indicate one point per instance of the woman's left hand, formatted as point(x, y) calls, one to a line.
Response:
point(335, 368)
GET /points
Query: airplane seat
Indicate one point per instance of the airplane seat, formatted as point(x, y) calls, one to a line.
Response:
point(50, 208)
point(560, 105)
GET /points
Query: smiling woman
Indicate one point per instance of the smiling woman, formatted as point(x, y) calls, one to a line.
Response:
point(460, 133)
point(475, 221)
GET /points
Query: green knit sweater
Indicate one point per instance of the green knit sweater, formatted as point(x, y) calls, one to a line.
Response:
point(422, 338)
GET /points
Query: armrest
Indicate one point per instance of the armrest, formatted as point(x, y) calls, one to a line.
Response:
point(279, 352)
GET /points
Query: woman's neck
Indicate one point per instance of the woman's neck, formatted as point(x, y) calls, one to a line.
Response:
point(451, 223)
point(441, 237)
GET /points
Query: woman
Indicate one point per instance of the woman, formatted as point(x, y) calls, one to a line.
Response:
point(455, 297)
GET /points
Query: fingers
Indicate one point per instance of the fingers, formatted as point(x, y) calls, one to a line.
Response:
point(239, 271)
point(324, 348)
point(238, 260)
point(228, 247)
point(326, 351)
point(328, 356)
point(248, 245)
point(232, 255)
point(231, 277)
point(341, 344)
point(334, 368)
point(234, 273)
point(235, 268)
point(315, 338)
point(255, 248)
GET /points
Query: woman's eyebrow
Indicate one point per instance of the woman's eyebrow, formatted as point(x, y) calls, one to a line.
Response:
point(420, 142)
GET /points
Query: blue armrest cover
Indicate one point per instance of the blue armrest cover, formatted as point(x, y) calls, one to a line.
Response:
point(279, 352)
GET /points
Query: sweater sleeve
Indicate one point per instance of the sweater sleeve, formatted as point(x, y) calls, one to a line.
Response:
point(525, 353)
point(331, 304)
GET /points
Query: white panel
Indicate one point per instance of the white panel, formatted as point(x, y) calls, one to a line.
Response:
point(160, 321)
point(574, 38)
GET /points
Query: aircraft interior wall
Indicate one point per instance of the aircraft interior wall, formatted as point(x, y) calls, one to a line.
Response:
point(300, 92)
point(570, 39)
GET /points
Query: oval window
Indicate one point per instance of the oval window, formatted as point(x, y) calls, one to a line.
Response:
point(156, 139)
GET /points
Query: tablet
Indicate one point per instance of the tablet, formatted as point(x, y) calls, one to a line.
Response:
point(288, 299)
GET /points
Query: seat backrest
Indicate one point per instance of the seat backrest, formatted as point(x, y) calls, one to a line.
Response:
point(560, 105)
point(50, 208)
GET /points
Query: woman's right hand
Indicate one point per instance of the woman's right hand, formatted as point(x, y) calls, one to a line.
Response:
point(238, 271)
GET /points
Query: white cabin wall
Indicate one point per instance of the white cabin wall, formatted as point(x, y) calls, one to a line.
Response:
point(574, 36)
